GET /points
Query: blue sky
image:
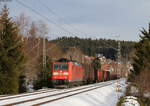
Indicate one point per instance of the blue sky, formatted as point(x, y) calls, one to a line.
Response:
point(90, 18)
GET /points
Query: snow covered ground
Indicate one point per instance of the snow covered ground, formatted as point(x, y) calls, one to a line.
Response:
point(105, 96)
point(130, 101)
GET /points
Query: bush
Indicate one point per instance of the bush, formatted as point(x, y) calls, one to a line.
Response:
point(22, 84)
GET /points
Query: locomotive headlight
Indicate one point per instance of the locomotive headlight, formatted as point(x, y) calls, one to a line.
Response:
point(66, 73)
point(55, 73)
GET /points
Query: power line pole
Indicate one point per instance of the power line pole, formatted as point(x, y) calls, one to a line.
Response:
point(118, 65)
point(44, 59)
point(119, 57)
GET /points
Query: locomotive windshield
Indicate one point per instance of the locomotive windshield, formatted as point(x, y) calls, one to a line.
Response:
point(60, 66)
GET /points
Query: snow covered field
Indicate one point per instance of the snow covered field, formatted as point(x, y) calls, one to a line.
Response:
point(105, 96)
point(99, 94)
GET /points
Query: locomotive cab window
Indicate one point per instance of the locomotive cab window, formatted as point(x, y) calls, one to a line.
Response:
point(60, 66)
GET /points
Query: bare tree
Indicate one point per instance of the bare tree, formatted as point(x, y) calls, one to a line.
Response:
point(23, 23)
point(33, 30)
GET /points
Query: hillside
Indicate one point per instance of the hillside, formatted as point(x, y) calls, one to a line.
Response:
point(92, 47)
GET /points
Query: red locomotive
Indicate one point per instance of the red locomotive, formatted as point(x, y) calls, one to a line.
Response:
point(67, 72)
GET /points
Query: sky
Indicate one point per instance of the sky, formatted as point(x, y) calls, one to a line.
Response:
point(114, 19)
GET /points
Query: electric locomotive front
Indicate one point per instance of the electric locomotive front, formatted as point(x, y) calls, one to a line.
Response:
point(60, 73)
point(67, 72)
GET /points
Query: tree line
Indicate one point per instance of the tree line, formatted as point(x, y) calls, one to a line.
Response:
point(18, 38)
point(93, 47)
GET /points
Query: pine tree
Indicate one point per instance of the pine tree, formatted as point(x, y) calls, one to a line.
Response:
point(11, 54)
point(142, 54)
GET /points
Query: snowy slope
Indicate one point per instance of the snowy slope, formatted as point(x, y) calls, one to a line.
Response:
point(105, 96)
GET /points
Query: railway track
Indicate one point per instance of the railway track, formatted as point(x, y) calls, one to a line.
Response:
point(6, 97)
point(26, 94)
point(69, 95)
point(3, 96)
point(41, 98)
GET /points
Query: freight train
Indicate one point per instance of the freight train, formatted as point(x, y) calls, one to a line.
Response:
point(68, 72)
